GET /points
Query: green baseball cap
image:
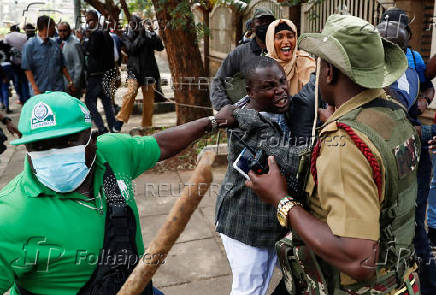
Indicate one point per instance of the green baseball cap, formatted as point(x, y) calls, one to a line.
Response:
point(355, 47)
point(50, 115)
point(259, 12)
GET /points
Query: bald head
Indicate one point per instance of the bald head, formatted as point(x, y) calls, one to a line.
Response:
point(394, 32)
point(256, 63)
point(64, 30)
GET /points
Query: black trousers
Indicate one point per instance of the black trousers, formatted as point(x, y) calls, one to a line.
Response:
point(95, 89)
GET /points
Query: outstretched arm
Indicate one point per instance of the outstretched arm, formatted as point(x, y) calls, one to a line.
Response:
point(174, 140)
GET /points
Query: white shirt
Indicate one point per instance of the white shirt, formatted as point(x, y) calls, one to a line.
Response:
point(15, 39)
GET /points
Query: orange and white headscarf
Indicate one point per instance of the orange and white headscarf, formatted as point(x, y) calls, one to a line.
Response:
point(299, 68)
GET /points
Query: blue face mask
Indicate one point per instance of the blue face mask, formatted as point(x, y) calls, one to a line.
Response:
point(61, 170)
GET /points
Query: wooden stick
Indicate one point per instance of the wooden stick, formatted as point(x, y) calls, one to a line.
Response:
point(175, 224)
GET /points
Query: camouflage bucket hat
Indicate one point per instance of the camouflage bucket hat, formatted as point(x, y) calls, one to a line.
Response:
point(355, 47)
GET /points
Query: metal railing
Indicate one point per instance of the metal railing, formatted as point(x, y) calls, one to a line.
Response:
point(315, 14)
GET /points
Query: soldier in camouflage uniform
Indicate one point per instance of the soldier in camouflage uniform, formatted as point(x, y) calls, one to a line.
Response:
point(353, 234)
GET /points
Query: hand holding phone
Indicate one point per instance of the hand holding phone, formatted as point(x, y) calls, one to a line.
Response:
point(247, 160)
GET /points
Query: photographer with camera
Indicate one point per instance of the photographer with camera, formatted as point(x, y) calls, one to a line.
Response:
point(140, 42)
point(99, 48)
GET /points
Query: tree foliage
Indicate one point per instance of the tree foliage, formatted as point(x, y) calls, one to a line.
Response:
point(144, 7)
point(108, 8)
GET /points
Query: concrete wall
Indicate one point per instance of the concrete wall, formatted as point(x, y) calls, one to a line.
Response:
point(223, 29)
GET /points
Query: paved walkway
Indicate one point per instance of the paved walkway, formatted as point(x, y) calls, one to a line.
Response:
point(197, 264)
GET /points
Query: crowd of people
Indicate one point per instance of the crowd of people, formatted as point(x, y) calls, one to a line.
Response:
point(86, 61)
point(329, 171)
point(353, 207)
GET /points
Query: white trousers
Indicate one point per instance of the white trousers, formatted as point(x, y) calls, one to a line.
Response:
point(252, 267)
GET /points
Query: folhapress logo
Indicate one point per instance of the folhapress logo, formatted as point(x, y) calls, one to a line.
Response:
point(38, 255)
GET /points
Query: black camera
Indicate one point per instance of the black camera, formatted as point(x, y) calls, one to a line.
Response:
point(260, 163)
point(250, 159)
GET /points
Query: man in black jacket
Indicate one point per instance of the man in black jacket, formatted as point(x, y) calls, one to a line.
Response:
point(225, 83)
point(99, 48)
point(140, 42)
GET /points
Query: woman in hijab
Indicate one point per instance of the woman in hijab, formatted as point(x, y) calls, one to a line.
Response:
point(281, 43)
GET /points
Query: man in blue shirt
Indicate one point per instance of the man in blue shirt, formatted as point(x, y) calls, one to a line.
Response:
point(42, 60)
point(417, 63)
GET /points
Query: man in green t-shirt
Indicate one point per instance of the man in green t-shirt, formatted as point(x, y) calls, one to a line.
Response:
point(52, 215)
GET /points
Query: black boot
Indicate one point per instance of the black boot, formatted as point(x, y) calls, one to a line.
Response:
point(117, 127)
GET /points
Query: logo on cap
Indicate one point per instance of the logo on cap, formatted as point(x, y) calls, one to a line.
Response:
point(86, 113)
point(42, 116)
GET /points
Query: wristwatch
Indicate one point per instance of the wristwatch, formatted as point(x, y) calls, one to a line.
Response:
point(214, 124)
point(285, 205)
